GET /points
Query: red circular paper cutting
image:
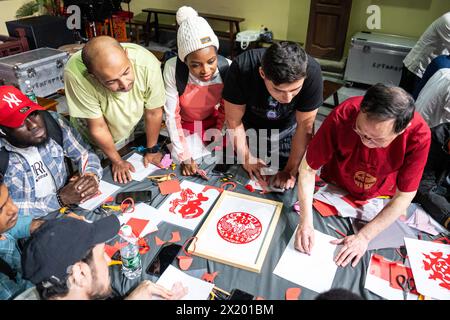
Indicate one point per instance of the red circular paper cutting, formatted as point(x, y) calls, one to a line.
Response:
point(239, 227)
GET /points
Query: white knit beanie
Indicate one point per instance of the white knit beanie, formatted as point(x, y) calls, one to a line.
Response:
point(194, 32)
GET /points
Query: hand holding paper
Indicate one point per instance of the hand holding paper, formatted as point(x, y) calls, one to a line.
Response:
point(153, 159)
point(146, 290)
point(284, 180)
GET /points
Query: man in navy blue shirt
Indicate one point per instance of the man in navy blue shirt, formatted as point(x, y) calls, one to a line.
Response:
point(437, 64)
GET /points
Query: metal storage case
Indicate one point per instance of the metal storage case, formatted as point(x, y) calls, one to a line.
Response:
point(377, 58)
point(44, 67)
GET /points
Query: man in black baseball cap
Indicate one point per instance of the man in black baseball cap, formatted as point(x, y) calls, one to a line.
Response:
point(66, 260)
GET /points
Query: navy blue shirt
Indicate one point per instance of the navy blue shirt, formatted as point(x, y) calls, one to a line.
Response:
point(438, 63)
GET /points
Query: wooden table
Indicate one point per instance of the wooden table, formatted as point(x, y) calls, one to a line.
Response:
point(233, 22)
point(48, 104)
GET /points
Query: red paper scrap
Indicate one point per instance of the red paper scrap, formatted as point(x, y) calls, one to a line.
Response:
point(380, 267)
point(143, 246)
point(169, 187)
point(209, 277)
point(175, 237)
point(184, 262)
point(207, 188)
point(293, 293)
point(159, 242)
point(111, 250)
point(137, 225)
point(354, 202)
point(324, 209)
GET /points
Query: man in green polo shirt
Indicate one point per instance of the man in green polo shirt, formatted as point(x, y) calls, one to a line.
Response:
point(109, 88)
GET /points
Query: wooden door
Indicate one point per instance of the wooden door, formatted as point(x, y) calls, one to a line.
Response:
point(327, 28)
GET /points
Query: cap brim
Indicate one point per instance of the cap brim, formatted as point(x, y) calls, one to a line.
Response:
point(105, 229)
point(17, 119)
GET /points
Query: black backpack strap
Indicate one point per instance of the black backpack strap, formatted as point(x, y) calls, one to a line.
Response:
point(223, 67)
point(4, 160)
point(54, 130)
point(7, 270)
point(181, 76)
point(182, 73)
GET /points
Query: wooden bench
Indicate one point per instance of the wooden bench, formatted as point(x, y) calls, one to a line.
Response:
point(233, 23)
point(331, 88)
point(12, 45)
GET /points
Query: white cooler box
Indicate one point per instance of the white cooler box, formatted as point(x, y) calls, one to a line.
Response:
point(377, 58)
point(44, 67)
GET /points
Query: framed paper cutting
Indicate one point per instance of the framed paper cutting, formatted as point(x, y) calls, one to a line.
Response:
point(188, 207)
point(238, 231)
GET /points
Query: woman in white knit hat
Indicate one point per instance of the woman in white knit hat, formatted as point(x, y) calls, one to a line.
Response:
point(194, 83)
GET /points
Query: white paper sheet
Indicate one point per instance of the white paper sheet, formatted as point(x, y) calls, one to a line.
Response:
point(141, 172)
point(315, 272)
point(195, 145)
point(382, 287)
point(246, 252)
point(106, 189)
point(176, 217)
point(197, 289)
point(391, 237)
point(423, 254)
point(144, 212)
point(255, 184)
point(421, 220)
point(333, 195)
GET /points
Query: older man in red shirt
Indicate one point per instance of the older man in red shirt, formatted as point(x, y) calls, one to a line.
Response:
point(371, 146)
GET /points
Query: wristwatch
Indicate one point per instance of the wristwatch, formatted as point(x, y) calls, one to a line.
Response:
point(153, 149)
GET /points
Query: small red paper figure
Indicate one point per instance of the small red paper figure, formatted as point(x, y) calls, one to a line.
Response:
point(439, 265)
point(209, 277)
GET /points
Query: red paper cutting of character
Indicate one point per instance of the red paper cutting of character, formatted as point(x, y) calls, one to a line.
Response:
point(189, 204)
point(430, 264)
point(438, 266)
point(239, 228)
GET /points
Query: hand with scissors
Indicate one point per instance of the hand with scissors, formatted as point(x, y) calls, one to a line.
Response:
point(406, 283)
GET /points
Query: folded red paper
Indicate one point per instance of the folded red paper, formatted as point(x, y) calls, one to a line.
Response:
point(325, 209)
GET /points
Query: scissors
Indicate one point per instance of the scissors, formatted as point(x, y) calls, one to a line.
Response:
point(406, 283)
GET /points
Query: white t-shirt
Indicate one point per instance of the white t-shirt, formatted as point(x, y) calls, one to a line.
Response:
point(434, 42)
point(433, 102)
point(44, 183)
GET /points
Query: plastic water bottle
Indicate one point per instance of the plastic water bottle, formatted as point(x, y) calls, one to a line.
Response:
point(131, 258)
point(29, 91)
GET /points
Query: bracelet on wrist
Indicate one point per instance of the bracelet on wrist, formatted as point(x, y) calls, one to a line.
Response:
point(61, 203)
point(156, 148)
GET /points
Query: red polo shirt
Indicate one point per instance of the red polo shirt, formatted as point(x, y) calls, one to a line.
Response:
point(364, 172)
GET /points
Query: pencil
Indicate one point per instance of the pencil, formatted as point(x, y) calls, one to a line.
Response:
point(335, 229)
point(221, 290)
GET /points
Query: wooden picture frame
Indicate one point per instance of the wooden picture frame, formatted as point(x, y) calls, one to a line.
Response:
point(230, 230)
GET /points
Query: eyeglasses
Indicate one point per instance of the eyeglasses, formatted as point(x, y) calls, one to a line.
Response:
point(379, 143)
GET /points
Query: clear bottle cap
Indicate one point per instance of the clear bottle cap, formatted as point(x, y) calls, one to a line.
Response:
point(126, 230)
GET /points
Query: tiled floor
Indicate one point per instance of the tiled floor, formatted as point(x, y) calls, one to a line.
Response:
point(343, 93)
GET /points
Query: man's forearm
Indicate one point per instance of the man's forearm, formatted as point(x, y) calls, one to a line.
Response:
point(391, 212)
point(239, 139)
point(306, 182)
point(153, 120)
point(298, 147)
point(104, 140)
